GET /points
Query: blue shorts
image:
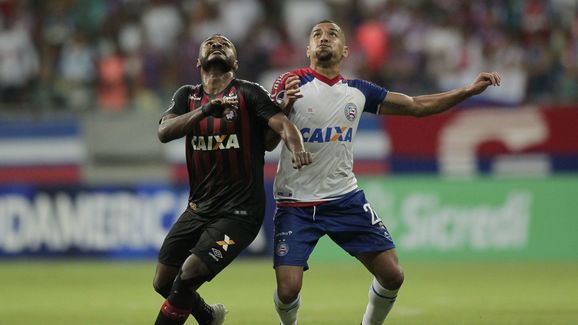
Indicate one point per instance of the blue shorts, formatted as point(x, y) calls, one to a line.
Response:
point(349, 221)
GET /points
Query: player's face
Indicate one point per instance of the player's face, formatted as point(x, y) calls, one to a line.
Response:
point(326, 44)
point(217, 51)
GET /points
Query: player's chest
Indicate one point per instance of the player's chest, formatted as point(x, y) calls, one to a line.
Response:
point(233, 120)
point(327, 106)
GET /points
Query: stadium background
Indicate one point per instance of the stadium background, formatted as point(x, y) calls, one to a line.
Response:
point(83, 178)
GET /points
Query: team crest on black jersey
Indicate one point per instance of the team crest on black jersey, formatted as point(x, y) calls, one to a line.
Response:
point(350, 111)
point(231, 115)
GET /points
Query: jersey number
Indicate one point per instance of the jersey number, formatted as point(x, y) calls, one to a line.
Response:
point(374, 217)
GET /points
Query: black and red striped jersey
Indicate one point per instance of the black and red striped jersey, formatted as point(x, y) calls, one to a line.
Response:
point(225, 156)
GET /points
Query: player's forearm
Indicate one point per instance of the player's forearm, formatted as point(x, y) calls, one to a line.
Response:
point(175, 127)
point(287, 106)
point(272, 139)
point(437, 103)
point(292, 137)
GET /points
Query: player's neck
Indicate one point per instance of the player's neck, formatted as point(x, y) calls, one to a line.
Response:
point(215, 82)
point(328, 72)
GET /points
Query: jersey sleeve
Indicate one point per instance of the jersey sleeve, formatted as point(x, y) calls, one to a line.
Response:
point(278, 89)
point(259, 100)
point(180, 101)
point(374, 94)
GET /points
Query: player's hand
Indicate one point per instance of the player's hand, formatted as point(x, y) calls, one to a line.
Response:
point(482, 82)
point(292, 92)
point(301, 158)
point(218, 107)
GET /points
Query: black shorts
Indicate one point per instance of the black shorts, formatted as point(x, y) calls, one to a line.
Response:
point(217, 241)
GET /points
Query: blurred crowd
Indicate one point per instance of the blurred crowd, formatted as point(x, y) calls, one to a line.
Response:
point(121, 55)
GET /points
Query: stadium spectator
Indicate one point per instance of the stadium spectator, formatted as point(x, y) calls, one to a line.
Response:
point(77, 72)
point(19, 63)
point(324, 198)
point(373, 39)
point(224, 121)
point(162, 23)
point(239, 16)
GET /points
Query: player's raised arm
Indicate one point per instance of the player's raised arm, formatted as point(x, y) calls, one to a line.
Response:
point(173, 126)
point(288, 85)
point(286, 91)
point(177, 126)
point(292, 93)
point(292, 138)
point(401, 104)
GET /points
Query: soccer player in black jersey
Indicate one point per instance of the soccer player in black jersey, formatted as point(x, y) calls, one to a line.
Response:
point(224, 120)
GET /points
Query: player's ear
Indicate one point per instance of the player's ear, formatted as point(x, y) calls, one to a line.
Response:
point(198, 63)
point(236, 65)
point(308, 52)
point(345, 51)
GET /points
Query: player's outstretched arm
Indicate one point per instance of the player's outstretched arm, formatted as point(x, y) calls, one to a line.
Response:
point(401, 104)
point(292, 138)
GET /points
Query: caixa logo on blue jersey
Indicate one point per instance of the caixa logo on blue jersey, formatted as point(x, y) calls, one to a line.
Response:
point(330, 134)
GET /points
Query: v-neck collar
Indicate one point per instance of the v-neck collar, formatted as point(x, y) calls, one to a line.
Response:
point(324, 79)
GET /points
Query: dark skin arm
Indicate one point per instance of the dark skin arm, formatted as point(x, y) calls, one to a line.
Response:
point(177, 126)
point(174, 126)
point(419, 106)
point(284, 129)
point(272, 139)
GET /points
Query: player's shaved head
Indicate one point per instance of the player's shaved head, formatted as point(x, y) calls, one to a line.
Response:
point(222, 37)
point(335, 28)
point(217, 51)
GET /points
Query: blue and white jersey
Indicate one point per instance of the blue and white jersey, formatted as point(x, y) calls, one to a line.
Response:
point(327, 116)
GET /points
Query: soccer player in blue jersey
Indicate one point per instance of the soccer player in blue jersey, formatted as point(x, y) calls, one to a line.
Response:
point(324, 198)
point(223, 120)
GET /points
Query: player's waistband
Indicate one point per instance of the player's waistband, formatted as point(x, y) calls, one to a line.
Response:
point(297, 204)
point(309, 204)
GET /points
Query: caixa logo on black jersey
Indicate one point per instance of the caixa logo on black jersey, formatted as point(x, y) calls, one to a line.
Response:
point(215, 142)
